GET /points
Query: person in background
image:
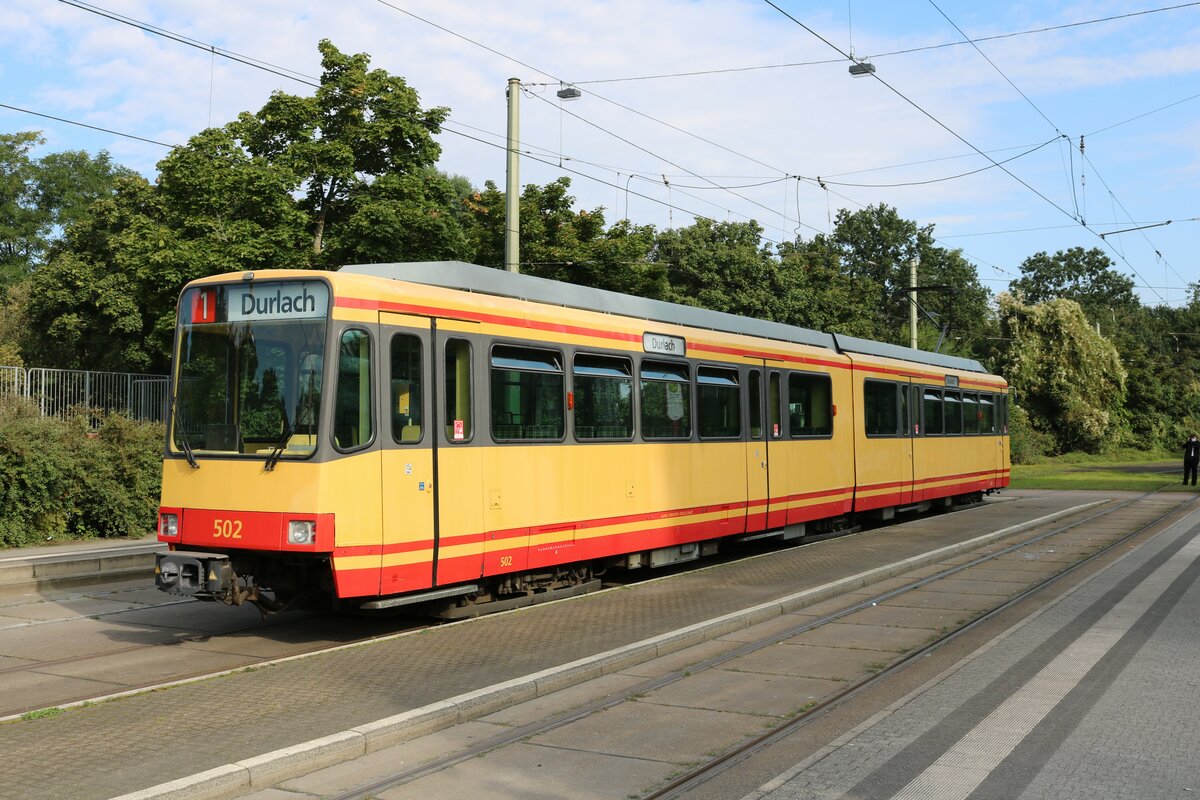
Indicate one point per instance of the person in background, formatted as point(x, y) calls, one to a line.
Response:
point(1191, 458)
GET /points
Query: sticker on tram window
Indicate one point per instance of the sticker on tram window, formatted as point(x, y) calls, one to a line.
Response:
point(459, 429)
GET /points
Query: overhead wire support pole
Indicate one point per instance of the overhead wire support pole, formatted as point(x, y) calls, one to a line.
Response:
point(512, 190)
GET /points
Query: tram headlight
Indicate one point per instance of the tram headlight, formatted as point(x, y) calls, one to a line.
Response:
point(168, 524)
point(301, 531)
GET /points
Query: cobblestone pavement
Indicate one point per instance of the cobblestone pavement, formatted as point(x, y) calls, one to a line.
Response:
point(116, 747)
point(1097, 696)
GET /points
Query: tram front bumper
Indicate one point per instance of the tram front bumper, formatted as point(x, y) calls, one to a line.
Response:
point(193, 574)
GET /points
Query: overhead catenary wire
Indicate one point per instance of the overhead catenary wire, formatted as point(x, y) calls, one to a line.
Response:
point(947, 128)
point(886, 54)
point(785, 176)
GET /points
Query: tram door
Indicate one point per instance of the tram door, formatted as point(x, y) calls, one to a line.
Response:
point(910, 416)
point(757, 464)
point(432, 463)
point(459, 372)
point(777, 464)
point(407, 446)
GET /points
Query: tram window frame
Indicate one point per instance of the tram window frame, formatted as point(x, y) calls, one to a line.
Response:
point(536, 370)
point(715, 386)
point(454, 395)
point(619, 369)
point(652, 374)
point(809, 380)
point(368, 381)
point(898, 391)
point(401, 433)
point(931, 400)
point(1002, 413)
point(971, 421)
point(775, 404)
point(754, 400)
point(987, 410)
point(952, 412)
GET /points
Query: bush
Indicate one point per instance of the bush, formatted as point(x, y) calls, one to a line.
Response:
point(62, 479)
point(1027, 444)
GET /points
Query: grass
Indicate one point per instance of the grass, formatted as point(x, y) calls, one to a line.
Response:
point(1127, 470)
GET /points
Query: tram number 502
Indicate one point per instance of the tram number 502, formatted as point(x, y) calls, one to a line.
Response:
point(227, 529)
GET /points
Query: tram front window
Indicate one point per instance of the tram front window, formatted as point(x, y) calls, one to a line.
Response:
point(249, 368)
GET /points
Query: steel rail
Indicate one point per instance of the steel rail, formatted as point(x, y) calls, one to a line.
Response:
point(714, 767)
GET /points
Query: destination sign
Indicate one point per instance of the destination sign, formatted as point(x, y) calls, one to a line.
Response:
point(952, 380)
point(277, 300)
point(667, 345)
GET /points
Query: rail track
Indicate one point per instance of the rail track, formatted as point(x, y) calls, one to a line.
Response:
point(718, 764)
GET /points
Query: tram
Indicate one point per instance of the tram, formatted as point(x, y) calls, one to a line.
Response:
point(397, 433)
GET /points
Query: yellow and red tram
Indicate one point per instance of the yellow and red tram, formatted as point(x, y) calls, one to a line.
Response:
point(399, 432)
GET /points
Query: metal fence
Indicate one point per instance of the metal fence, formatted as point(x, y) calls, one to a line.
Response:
point(57, 391)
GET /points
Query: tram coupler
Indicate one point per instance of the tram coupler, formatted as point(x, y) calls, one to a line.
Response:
point(206, 576)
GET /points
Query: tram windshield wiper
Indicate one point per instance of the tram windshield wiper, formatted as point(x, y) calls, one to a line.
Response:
point(176, 427)
point(288, 429)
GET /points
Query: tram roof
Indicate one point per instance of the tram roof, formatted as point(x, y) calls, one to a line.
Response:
point(485, 280)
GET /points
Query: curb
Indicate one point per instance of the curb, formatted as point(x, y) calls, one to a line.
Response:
point(64, 570)
point(268, 769)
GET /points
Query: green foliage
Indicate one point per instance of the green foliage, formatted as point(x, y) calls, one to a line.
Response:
point(360, 124)
point(63, 480)
point(40, 197)
point(1067, 377)
point(1027, 444)
point(1085, 276)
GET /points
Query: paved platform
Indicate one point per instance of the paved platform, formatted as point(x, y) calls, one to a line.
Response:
point(72, 564)
point(1097, 696)
point(123, 746)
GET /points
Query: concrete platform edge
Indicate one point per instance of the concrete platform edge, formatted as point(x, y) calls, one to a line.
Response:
point(300, 759)
point(779, 780)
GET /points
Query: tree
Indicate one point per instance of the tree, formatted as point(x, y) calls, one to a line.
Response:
point(722, 266)
point(816, 293)
point(39, 198)
point(1066, 376)
point(360, 124)
point(21, 222)
point(1085, 276)
point(875, 246)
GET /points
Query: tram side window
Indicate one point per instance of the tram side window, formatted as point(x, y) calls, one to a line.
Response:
point(353, 424)
point(603, 387)
point(666, 401)
point(406, 388)
point(987, 414)
point(810, 405)
point(755, 400)
point(931, 407)
point(527, 394)
point(719, 403)
point(881, 408)
point(954, 420)
point(774, 404)
point(459, 419)
point(970, 413)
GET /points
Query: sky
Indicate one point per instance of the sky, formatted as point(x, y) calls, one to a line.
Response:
point(1060, 122)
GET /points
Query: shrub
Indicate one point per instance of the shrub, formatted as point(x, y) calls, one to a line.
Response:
point(62, 479)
